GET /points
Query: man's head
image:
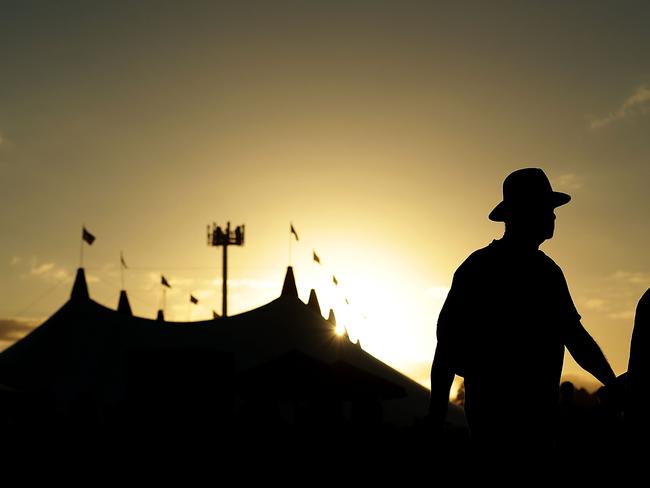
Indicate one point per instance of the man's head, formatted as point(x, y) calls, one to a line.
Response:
point(528, 204)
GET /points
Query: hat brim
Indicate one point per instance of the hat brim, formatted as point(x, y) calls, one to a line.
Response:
point(501, 211)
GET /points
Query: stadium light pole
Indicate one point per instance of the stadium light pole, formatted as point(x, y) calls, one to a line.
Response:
point(218, 237)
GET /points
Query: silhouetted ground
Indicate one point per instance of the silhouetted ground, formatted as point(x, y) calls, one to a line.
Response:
point(589, 445)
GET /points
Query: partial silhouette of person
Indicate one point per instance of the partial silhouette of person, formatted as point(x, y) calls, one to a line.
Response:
point(567, 416)
point(637, 407)
point(567, 395)
point(505, 324)
point(608, 417)
point(573, 429)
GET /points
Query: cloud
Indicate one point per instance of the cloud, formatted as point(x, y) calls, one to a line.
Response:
point(92, 278)
point(618, 296)
point(568, 181)
point(639, 101)
point(15, 260)
point(632, 277)
point(13, 329)
point(597, 304)
point(622, 315)
point(49, 271)
point(622, 309)
point(41, 268)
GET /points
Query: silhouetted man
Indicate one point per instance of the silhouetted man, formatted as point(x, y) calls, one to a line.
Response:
point(505, 323)
point(638, 374)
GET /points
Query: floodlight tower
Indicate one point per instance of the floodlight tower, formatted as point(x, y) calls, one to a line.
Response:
point(225, 238)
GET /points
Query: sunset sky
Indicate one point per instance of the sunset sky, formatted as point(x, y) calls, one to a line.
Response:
point(382, 130)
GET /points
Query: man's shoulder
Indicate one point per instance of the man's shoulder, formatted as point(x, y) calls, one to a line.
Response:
point(488, 253)
point(478, 259)
point(548, 262)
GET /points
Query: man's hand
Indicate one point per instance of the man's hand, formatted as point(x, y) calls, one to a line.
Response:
point(612, 395)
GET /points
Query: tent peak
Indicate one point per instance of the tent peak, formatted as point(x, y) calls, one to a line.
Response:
point(331, 318)
point(123, 306)
point(289, 287)
point(80, 287)
point(313, 302)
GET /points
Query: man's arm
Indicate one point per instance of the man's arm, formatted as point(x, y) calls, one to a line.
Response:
point(588, 355)
point(449, 329)
point(442, 376)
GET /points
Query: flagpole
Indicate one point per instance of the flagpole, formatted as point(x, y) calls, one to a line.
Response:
point(81, 251)
point(122, 272)
point(290, 242)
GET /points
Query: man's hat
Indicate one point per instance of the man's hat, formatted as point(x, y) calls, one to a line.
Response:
point(527, 188)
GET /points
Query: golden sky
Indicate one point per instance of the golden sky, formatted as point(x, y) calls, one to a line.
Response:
point(382, 130)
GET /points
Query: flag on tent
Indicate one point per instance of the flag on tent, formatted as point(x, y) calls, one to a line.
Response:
point(193, 299)
point(316, 258)
point(336, 282)
point(293, 231)
point(122, 262)
point(87, 236)
point(164, 282)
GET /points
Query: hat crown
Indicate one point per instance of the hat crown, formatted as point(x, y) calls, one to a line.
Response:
point(528, 184)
